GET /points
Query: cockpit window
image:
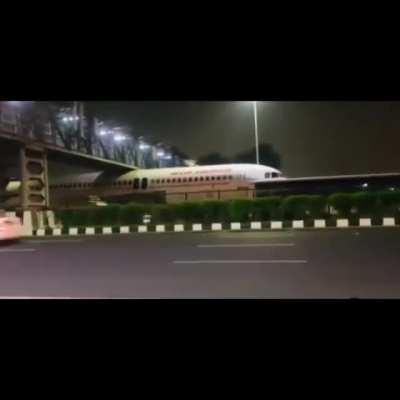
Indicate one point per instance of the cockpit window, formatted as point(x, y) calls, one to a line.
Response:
point(275, 175)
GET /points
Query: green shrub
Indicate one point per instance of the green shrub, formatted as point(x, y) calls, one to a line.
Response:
point(110, 215)
point(79, 218)
point(342, 202)
point(163, 213)
point(267, 208)
point(389, 202)
point(317, 206)
point(92, 216)
point(240, 210)
point(132, 214)
point(215, 211)
point(296, 207)
point(65, 217)
point(365, 202)
point(189, 212)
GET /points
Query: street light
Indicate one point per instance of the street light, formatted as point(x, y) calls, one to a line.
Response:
point(70, 119)
point(119, 138)
point(143, 146)
point(256, 131)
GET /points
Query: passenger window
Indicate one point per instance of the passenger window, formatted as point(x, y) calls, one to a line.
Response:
point(190, 179)
point(173, 180)
point(184, 179)
point(201, 179)
point(207, 178)
point(196, 179)
point(136, 183)
point(144, 183)
point(218, 178)
point(213, 178)
point(179, 180)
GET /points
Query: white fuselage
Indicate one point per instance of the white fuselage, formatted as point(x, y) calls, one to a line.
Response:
point(213, 177)
point(171, 181)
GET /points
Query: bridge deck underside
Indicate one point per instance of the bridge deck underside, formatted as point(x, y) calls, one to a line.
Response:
point(12, 142)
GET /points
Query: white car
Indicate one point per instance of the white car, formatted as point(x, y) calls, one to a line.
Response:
point(10, 227)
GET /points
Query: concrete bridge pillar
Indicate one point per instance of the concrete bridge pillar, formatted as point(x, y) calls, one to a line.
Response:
point(34, 179)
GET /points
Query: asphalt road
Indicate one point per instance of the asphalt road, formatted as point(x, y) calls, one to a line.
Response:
point(348, 263)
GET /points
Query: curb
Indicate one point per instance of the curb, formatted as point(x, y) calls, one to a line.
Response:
point(254, 226)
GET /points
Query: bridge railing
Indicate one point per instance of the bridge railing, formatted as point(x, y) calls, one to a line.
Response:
point(68, 132)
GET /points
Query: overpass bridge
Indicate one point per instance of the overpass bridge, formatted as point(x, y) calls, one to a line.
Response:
point(30, 145)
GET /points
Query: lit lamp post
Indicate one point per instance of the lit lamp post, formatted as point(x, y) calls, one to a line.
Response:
point(160, 155)
point(256, 131)
point(168, 158)
point(119, 154)
point(142, 148)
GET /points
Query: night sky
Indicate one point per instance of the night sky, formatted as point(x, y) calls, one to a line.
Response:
point(313, 138)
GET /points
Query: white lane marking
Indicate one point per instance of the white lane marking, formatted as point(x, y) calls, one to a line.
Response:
point(246, 245)
point(241, 262)
point(55, 241)
point(16, 250)
point(36, 297)
point(263, 234)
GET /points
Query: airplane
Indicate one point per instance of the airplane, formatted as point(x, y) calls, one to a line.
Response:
point(214, 182)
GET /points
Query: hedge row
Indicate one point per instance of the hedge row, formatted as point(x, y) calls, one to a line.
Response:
point(262, 209)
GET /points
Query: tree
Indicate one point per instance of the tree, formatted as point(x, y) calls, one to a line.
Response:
point(213, 159)
point(178, 153)
point(268, 156)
